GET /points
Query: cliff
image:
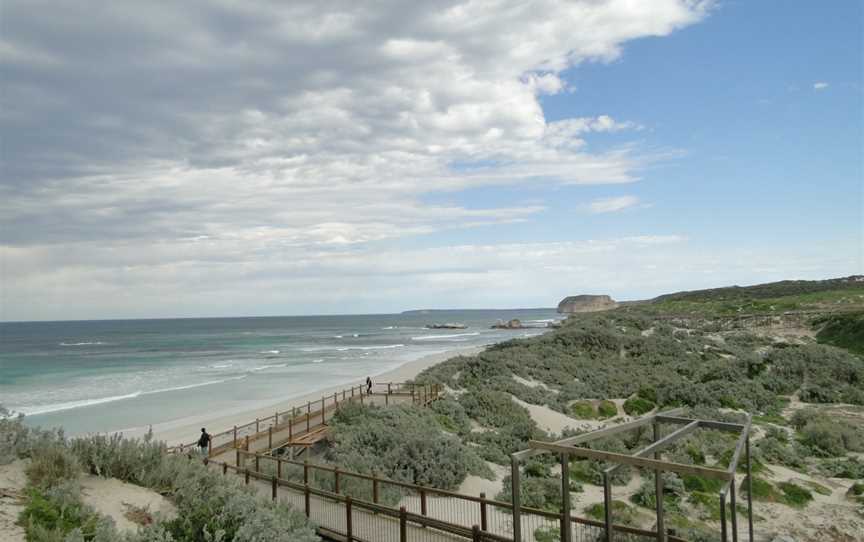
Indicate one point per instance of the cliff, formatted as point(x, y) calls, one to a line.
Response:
point(586, 303)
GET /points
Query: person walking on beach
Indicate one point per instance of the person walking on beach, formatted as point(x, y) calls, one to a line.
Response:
point(368, 385)
point(204, 441)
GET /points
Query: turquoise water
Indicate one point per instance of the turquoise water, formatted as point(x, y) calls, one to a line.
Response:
point(114, 375)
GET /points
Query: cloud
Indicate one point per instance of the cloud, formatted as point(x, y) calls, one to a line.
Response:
point(270, 130)
point(821, 85)
point(611, 205)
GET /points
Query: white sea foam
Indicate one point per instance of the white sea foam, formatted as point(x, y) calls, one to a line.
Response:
point(269, 352)
point(433, 337)
point(45, 409)
point(379, 347)
point(263, 367)
point(337, 336)
point(319, 360)
point(84, 343)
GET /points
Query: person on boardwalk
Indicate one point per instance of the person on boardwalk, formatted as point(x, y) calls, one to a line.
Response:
point(368, 385)
point(204, 441)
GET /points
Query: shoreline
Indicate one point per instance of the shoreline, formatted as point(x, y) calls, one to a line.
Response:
point(185, 430)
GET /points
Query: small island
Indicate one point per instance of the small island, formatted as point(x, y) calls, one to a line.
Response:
point(448, 325)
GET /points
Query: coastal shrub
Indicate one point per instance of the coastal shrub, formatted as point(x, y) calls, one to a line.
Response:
point(451, 416)
point(673, 491)
point(606, 409)
point(543, 493)
point(114, 456)
point(582, 409)
point(496, 446)
point(622, 513)
point(849, 467)
point(17, 441)
point(51, 466)
point(795, 495)
point(842, 330)
point(825, 436)
point(403, 443)
point(51, 513)
point(636, 406)
point(492, 408)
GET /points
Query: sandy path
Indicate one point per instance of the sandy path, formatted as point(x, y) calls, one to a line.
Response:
point(12, 482)
point(109, 497)
point(187, 429)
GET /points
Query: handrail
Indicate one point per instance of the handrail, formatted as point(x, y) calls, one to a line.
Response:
point(402, 514)
point(323, 405)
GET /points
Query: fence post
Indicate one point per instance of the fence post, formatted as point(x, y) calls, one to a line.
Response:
point(224, 469)
point(348, 526)
point(276, 418)
point(278, 468)
point(403, 524)
point(238, 457)
point(343, 394)
point(323, 411)
point(257, 464)
point(291, 429)
point(352, 391)
point(483, 520)
point(336, 480)
point(246, 444)
point(306, 471)
point(422, 502)
point(374, 489)
point(306, 498)
point(386, 400)
point(270, 438)
point(246, 472)
point(475, 534)
point(389, 390)
point(257, 426)
point(274, 482)
point(235, 436)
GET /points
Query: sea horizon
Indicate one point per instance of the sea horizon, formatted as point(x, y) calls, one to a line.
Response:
point(112, 375)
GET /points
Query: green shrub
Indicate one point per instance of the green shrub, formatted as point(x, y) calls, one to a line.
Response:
point(583, 410)
point(114, 456)
point(542, 493)
point(52, 466)
point(795, 495)
point(403, 443)
point(636, 406)
point(52, 513)
point(607, 409)
point(451, 416)
point(762, 490)
point(705, 485)
point(622, 513)
point(673, 491)
point(843, 468)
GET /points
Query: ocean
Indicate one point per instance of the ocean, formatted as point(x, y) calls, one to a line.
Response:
point(100, 376)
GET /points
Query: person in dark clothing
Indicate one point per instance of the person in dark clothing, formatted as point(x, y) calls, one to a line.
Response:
point(368, 385)
point(204, 441)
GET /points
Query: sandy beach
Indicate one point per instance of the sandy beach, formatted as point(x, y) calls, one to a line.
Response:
point(185, 430)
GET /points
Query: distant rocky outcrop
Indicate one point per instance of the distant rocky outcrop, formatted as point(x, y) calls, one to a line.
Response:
point(515, 323)
point(448, 325)
point(586, 303)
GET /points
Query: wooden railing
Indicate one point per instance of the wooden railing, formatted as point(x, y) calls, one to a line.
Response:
point(312, 415)
point(463, 517)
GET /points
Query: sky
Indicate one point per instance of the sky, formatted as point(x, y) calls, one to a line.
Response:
point(217, 158)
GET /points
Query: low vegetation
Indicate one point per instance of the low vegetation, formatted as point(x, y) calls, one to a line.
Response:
point(210, 506)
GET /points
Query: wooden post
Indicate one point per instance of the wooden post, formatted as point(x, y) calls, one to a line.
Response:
point(336, 400)
point(246, 472)
point(257, 424)
point(308, 414)
point(257, 464)
point(343, 394)
point(246, 444)
point(235, 436)
point(291, 429)
point(270, 438)
point(723, 517)
point(238, 457)
point(483, 517)
point(348, 526)
point(375, 489)
point(306, 471)
point(658, 492)
point(749, 493)
point(566, 524)
point(389, 390)
point(336, 480)
point(422, 502)
point(352, 391)
point(278, 468)
point(403, 524)
point(516, 499)
point(386, 400)
point(734, 512)
point(475, 534)
point(306, 498)
point(607, 506)
point(361, 396)
point(323, 410)
point(273, 489)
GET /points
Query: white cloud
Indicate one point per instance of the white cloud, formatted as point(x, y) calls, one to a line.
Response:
point(821, 85)
point(272, 131)
point(611, 205)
